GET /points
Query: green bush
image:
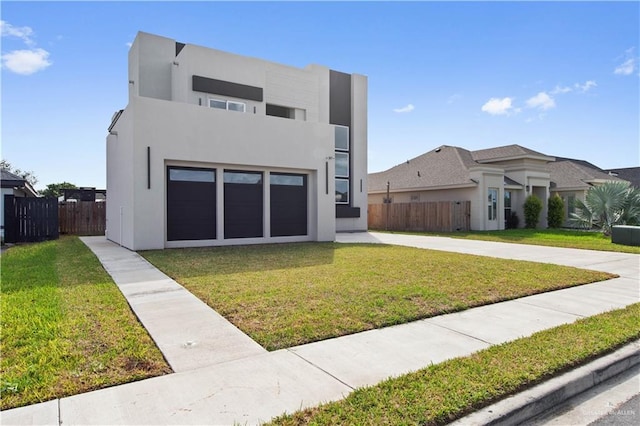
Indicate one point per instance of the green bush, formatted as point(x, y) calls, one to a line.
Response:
point(555, 214)
point(532, 209)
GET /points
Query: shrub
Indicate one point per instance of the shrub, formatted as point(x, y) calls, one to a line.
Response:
point(612, 203)
point(555, 214)
point(532, 209)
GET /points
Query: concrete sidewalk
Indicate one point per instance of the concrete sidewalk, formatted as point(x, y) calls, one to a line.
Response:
point(223, 377)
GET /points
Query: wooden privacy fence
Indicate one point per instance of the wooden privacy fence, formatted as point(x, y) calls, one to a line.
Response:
point(83, 217)
point(435, 216)
point(30, 219)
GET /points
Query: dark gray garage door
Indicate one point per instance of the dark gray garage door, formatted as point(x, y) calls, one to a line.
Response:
point(243, 204)
point(191, 203)
point(288, 204)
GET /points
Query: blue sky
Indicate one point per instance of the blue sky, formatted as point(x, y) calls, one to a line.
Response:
point(559, 78)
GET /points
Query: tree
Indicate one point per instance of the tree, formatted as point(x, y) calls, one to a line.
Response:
point(26, 175)
point(555, 213)
point(55, 189)
point(606, 205)
point(532, 209)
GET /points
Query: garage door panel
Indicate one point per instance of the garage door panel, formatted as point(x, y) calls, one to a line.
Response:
point(191, 204)
point(243, 205)
point(289, 209)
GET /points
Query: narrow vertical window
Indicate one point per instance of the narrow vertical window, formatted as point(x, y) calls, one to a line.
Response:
point(492, 203)
point(342, 164)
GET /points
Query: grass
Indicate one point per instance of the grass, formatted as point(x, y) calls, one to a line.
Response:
point(66, 328)
point(444, 392)
point(548, 237)
point(289, 294)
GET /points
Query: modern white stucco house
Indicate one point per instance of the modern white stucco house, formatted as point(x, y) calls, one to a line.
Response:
point(215, 148)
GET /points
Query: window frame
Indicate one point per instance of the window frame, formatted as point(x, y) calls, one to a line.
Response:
point(492, 204)
point(226, 104)
point(348, 190)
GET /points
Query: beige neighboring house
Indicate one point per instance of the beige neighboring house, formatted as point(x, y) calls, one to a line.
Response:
point(571, 179)
point(496, 181)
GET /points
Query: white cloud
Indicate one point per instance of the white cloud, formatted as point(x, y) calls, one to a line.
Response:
point(629, 65)
point(23, 33)
point(541, 101)
point(129, 44)
point(496, 106)
point(586, 86)
point(559, 90)
point(626, 68)
point(407, 108)
point(454, 98)
point(26, 62)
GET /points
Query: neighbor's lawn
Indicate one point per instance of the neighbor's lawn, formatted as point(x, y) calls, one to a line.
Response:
point(547, 237)
point(66, 328)
point(289, 294)
point(443, 392)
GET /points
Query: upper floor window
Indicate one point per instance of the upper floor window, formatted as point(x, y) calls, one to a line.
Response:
point(342, 138)
point(228, 105)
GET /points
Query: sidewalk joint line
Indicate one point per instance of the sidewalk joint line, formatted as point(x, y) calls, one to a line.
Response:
point(458, 332)
point(549, 308)
point(320, 368)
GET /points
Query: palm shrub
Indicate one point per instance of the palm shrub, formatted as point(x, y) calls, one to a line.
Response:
point(612, 203)
point(532, 209)
point(555, 212)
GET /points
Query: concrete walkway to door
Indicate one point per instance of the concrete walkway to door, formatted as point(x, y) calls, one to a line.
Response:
point(240, 382)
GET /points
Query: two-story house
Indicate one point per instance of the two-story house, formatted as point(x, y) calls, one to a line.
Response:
point(215, 148)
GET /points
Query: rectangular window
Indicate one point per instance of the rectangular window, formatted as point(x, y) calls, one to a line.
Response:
point(342, 164)
point(217, 103)
point(228, 105)
point(192, 175)
point(492, 203)
point(286, 179)
point(342, 191)
point(342, 138)
point(236, 106)
point(280, 111)
point(507, 206)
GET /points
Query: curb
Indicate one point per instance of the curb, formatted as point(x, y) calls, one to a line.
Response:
point(523, 406)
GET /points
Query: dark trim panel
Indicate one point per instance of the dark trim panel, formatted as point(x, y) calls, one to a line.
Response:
point(226, 88)
point(343, 210)
point(339, 98)
point(179, 47)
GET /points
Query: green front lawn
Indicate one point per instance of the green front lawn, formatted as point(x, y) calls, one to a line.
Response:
point(66, 328)
point(444, 392)
point(542, 237)
point(289, 294)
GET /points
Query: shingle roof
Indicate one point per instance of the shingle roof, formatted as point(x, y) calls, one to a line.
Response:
point(9, 178)
point(631, 174)
point(505, 152)
point(443, 166)
point(575, 174)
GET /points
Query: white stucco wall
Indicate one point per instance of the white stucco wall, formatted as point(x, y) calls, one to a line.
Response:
point(180, 134)
point(120, 164)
